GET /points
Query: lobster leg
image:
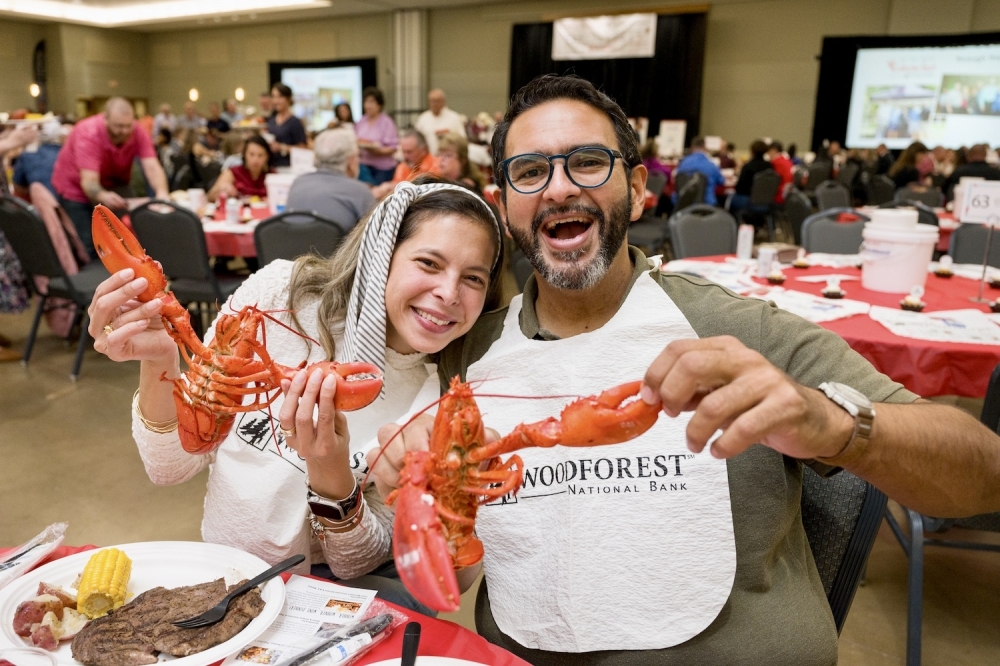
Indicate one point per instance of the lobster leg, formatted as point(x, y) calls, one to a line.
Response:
point(608, 418)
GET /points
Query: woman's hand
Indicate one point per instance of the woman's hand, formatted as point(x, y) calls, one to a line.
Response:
point(323, 442)
point(125, 329)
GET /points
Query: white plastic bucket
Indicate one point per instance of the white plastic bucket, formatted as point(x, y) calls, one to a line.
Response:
point(277, 185)
point(893, 218)
point(895, 260)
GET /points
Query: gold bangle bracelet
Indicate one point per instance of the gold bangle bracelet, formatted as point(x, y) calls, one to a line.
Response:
point(320, 526)
point(161, 427)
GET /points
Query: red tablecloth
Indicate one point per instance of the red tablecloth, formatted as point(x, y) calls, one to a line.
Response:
point(926, 367)
point(438, 638)
point(944, 232)
point(223, 243)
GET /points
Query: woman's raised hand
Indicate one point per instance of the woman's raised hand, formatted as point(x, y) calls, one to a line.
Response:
point(321, 439)
point(125, 329)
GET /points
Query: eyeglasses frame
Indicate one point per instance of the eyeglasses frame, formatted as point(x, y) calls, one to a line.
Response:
point(613, 154)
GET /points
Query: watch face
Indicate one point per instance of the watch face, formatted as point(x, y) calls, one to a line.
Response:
point(855, 396)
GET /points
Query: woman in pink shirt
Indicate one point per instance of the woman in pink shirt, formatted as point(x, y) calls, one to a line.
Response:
point(377, 139)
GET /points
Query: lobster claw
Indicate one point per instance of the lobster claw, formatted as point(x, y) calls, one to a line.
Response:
point(423, 559)
point(358, 384)
point(118, 249)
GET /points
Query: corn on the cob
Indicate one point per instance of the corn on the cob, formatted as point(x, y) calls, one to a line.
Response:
point(103, 582)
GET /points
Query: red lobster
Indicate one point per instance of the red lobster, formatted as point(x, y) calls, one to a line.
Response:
point(235, 364)
point(441, 489)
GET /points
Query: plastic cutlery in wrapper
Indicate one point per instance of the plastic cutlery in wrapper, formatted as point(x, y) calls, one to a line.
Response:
point(338, 645)
point(27, 555)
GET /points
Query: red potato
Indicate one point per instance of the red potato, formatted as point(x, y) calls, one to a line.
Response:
point(32, 611)
point(42, 635)
point(68, 599)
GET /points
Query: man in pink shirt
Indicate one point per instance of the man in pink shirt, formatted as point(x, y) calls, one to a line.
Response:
point(96, 160)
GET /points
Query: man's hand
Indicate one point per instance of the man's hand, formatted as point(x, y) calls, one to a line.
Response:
point(394, 441)
point(112, 200)
point(737, 390)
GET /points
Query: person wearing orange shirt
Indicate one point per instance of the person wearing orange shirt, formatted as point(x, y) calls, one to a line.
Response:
point(417, 161)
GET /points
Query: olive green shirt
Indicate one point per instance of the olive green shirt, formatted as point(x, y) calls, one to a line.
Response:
point(777, 612)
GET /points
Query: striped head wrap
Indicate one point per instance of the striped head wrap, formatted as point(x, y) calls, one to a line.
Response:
point(365, 328)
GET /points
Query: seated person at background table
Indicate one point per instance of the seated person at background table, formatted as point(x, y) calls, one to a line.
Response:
point(164, 120)
point(699, 161)
point(417, 161)
point(783, 165)
point(96, 160)
point(37, 166)
point(288, 130)
point(444, 268)
point(215, 121)
point(191, 119)
point(343, 117)
point(904, 170)
point(246, 179)
point(975, 166)
point(701, 558)
point(333, 190)
point(454, 164)
point(884, 160)
point(377, 138)
point(744, 184)
point(231, 114)
point(264, 107)
point(232, 149)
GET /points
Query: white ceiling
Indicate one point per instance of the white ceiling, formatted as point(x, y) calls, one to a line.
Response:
point(153, 15)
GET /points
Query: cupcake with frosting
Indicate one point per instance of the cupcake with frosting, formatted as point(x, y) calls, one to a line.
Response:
point(944, 267)
point(912, 301)
point(832, 288)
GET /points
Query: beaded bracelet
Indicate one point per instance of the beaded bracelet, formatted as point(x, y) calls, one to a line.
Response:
point(161, 427)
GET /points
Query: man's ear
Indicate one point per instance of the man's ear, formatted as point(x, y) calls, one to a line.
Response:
point(637, 187)
point(500, 200)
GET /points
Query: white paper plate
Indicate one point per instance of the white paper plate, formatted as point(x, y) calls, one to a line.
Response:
point(154, 564)
point(431, 661)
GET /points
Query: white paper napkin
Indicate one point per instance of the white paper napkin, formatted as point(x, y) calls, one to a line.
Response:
point(733, 275)
point(834, 260)
point(970, 271)
point(813, 308)
point(971, 326)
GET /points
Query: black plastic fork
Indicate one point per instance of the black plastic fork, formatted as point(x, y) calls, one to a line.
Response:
point(218, 611)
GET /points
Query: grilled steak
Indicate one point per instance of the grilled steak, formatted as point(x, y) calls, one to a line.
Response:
point(137, 631)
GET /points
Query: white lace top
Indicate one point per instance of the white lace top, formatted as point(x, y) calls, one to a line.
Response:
point(256, 496)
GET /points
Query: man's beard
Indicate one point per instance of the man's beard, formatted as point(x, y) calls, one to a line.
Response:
point(611, 235)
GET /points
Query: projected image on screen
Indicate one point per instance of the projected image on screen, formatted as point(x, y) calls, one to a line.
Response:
point(947, 96)
point(318, 91)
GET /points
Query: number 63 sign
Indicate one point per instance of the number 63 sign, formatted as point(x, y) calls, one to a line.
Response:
point(981, 202)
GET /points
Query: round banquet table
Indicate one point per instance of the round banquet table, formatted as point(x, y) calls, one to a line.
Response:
point(438, 638)
point(232, 240)
point(926, 367)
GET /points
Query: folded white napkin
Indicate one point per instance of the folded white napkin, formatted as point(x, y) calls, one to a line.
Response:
point(813, 308)
point(971, 326)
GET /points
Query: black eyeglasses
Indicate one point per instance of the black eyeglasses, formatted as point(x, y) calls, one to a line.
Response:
point(586, 167)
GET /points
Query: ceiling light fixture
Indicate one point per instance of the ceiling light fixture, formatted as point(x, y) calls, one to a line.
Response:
point(140, 11)
point(193, 94)
point(240, 94)
point(34, 90)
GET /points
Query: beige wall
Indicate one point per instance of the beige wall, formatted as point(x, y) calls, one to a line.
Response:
point(760, 62)
point(218, 60)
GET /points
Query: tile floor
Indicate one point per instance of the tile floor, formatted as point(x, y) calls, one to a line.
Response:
point(68, 456)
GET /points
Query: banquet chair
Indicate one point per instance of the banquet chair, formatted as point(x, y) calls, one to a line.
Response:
point(797, 209)
point(690, 187)
point(913, 544)
point(929, 196)
point(821, 232)
point(925, 214)
point(818, 172)
point(28, 235)
point(848, 173)
point(764, 188)
point(831, 194)
point(207, 173)
point(279, 238)
point(880, 189)
point(968, 245)
point(174, 236)
point(702, 230)
point(841, 515)
point(650, 232)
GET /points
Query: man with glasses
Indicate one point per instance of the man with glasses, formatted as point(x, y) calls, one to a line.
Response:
point(665, 549)
point(95, 165)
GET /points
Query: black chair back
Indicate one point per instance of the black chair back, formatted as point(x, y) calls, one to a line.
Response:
point(929, 196)
point(521, 268)
point(880, 189)
point(174, 236)
point(208, 173)
point(655, 182)
point(690, 188)
point(701, 230)
point(925, 214)
point(765, 187)
point(822, 233)
point(831, 194)
point(968, 245)
point(818, 172)
point(841, 516)
point(26, 233)
point(797, 209)
point(848, 173)
point(183, 178)
point(278, 238)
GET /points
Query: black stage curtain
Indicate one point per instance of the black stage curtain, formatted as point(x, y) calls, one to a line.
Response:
point(664, 87)
point(836, 74)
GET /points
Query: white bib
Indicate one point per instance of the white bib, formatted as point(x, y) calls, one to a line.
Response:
point(622, 547)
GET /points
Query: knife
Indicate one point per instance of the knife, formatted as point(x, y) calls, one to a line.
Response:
point(372, 626)
point(411, 640)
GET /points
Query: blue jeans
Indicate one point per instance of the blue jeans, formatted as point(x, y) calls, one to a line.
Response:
point(384, 580)
point(373, 176)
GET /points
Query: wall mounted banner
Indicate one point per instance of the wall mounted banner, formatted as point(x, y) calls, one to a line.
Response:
point(604, 37)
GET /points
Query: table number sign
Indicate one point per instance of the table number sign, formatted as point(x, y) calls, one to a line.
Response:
point(981, 203)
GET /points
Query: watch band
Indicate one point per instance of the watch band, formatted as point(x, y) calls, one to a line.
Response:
point(858, 406)
point(337, 510)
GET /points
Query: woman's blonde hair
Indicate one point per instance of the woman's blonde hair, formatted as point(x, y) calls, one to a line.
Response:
point(458, 143)
point(331, 280)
